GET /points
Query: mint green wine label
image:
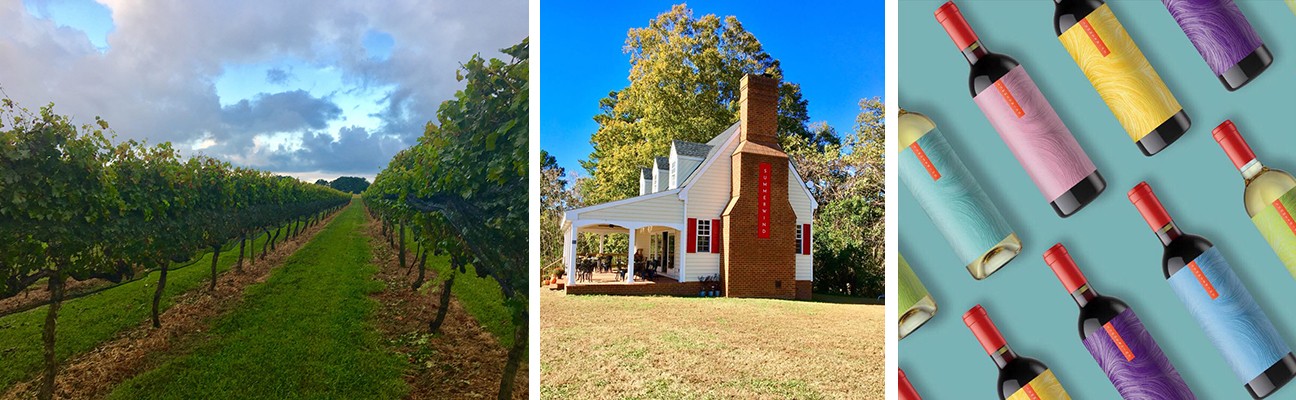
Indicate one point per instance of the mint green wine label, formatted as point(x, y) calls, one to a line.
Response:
point(1279, 229)
point(911, 289)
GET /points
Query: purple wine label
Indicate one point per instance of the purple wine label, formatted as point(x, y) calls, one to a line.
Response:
point(1217, 29)
point(1036, 135)
point(1134, 362)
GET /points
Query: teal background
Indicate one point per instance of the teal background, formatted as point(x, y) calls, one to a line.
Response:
point(1108, 239)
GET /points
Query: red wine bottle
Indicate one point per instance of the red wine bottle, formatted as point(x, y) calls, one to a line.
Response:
point(1219, 301)
point(1025, 120)
point(907, 391)
point(1116, 338)
point(1017, 375)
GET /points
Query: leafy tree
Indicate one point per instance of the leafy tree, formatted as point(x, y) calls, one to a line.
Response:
point(464, 186)
point(555, 198)
point(684, 85)
point(847, 180)
point(350, 184)
point(321, 182)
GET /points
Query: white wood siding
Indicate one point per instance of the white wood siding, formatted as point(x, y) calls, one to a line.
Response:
point(663, 209)
point(805, 215)
point(707, 198)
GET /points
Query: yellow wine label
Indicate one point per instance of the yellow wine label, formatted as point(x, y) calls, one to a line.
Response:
point(1116, 67)
point(1043, 387)
point(1279, 229)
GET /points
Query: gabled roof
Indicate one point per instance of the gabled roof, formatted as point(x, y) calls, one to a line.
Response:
point(662, 162)
point(690, 149)
point(647, 173)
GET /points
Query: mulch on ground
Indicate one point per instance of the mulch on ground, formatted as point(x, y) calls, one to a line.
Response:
point(462, 361)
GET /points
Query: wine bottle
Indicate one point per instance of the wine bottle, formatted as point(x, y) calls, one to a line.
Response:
point(907, 391)
point(1116, 338)
point(1025, 120)
point(1020, 378)
point(916, 305)
point(1117, 69)
point(1224, 38)
point(953, 199)
point(1218, 300)
point(1270, 195)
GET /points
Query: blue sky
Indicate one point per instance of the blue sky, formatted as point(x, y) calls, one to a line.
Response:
point(834, 49)
point(308, 88)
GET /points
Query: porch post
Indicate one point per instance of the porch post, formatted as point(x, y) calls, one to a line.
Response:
point(571, 254)
point(630, 261)
point(679, 254)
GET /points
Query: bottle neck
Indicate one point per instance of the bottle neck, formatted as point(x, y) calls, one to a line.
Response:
point(975, 52)
point(1251, 170)
point(1003, 356)
point(1084, 295)
point(1169, 233)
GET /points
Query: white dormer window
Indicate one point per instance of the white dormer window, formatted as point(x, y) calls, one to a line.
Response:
point(704, 236)
point(674, 171)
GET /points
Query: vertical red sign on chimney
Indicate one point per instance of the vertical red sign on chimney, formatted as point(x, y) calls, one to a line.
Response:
point(763, 202)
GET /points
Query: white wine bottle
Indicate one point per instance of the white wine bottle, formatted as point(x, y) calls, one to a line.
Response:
point(916, 305)
point(1270, 194)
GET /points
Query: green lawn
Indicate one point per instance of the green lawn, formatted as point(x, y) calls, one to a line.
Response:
point(480, 297)
point(86, 322)
point(304, 333)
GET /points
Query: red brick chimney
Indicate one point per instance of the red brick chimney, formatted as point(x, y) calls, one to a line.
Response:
point(759, 245)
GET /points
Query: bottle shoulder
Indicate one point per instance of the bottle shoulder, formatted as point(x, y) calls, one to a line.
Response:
point(988, 69)
point(1181, 251)
point(1266, 187)
point(1067, 13)
point(1019, 372)
point(1099, 312)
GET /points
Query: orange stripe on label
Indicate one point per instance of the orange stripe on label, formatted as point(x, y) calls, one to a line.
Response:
point(1201, 278)
point(1093, 36)
point(1120, 342)
point(1282, 211)
point(1030, 392)
point(1008, 96)
point(926, 162)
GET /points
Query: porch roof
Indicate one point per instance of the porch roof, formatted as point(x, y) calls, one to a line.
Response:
point(663, 208)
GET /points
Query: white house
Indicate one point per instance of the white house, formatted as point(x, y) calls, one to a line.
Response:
point(733, 208)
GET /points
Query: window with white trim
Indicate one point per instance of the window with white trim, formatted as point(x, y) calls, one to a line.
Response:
point(799, 241)
point(704, 236)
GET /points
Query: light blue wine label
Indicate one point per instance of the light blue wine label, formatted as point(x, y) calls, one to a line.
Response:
point(1231, 318)
point(952, 197)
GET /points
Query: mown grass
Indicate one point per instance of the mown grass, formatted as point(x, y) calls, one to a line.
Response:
point(598, 347)
point(85, 322)
point(304, 333)
point(480, 297)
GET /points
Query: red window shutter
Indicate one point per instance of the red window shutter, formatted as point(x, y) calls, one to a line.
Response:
point(715, 236)
point(692, 235)
point(805, 239)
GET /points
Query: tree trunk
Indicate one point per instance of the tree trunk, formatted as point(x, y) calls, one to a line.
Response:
point(276, 236)
point(402, 245)
point(421, 267)
point(51, 319)
point(215, 256)
point(514, 358)
point(242, 241)
point(435, 326)
point(266, 243)
point(157, 295)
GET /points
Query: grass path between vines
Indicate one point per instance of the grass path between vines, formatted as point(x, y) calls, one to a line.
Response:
point(86, 322)
point(304, 333)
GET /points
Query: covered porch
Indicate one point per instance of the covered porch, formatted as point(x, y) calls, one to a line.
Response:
point(653, 253)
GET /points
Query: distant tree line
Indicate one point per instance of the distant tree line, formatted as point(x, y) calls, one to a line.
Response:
point(349, 184)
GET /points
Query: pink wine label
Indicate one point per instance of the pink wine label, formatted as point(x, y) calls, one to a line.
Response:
point(1010, 99)
point(1098, 42)
point(1277, 226)
point(926, 162)
point(1044, 386)
point(1036, 135)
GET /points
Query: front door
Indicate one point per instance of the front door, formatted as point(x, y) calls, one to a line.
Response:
point(667, 251)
